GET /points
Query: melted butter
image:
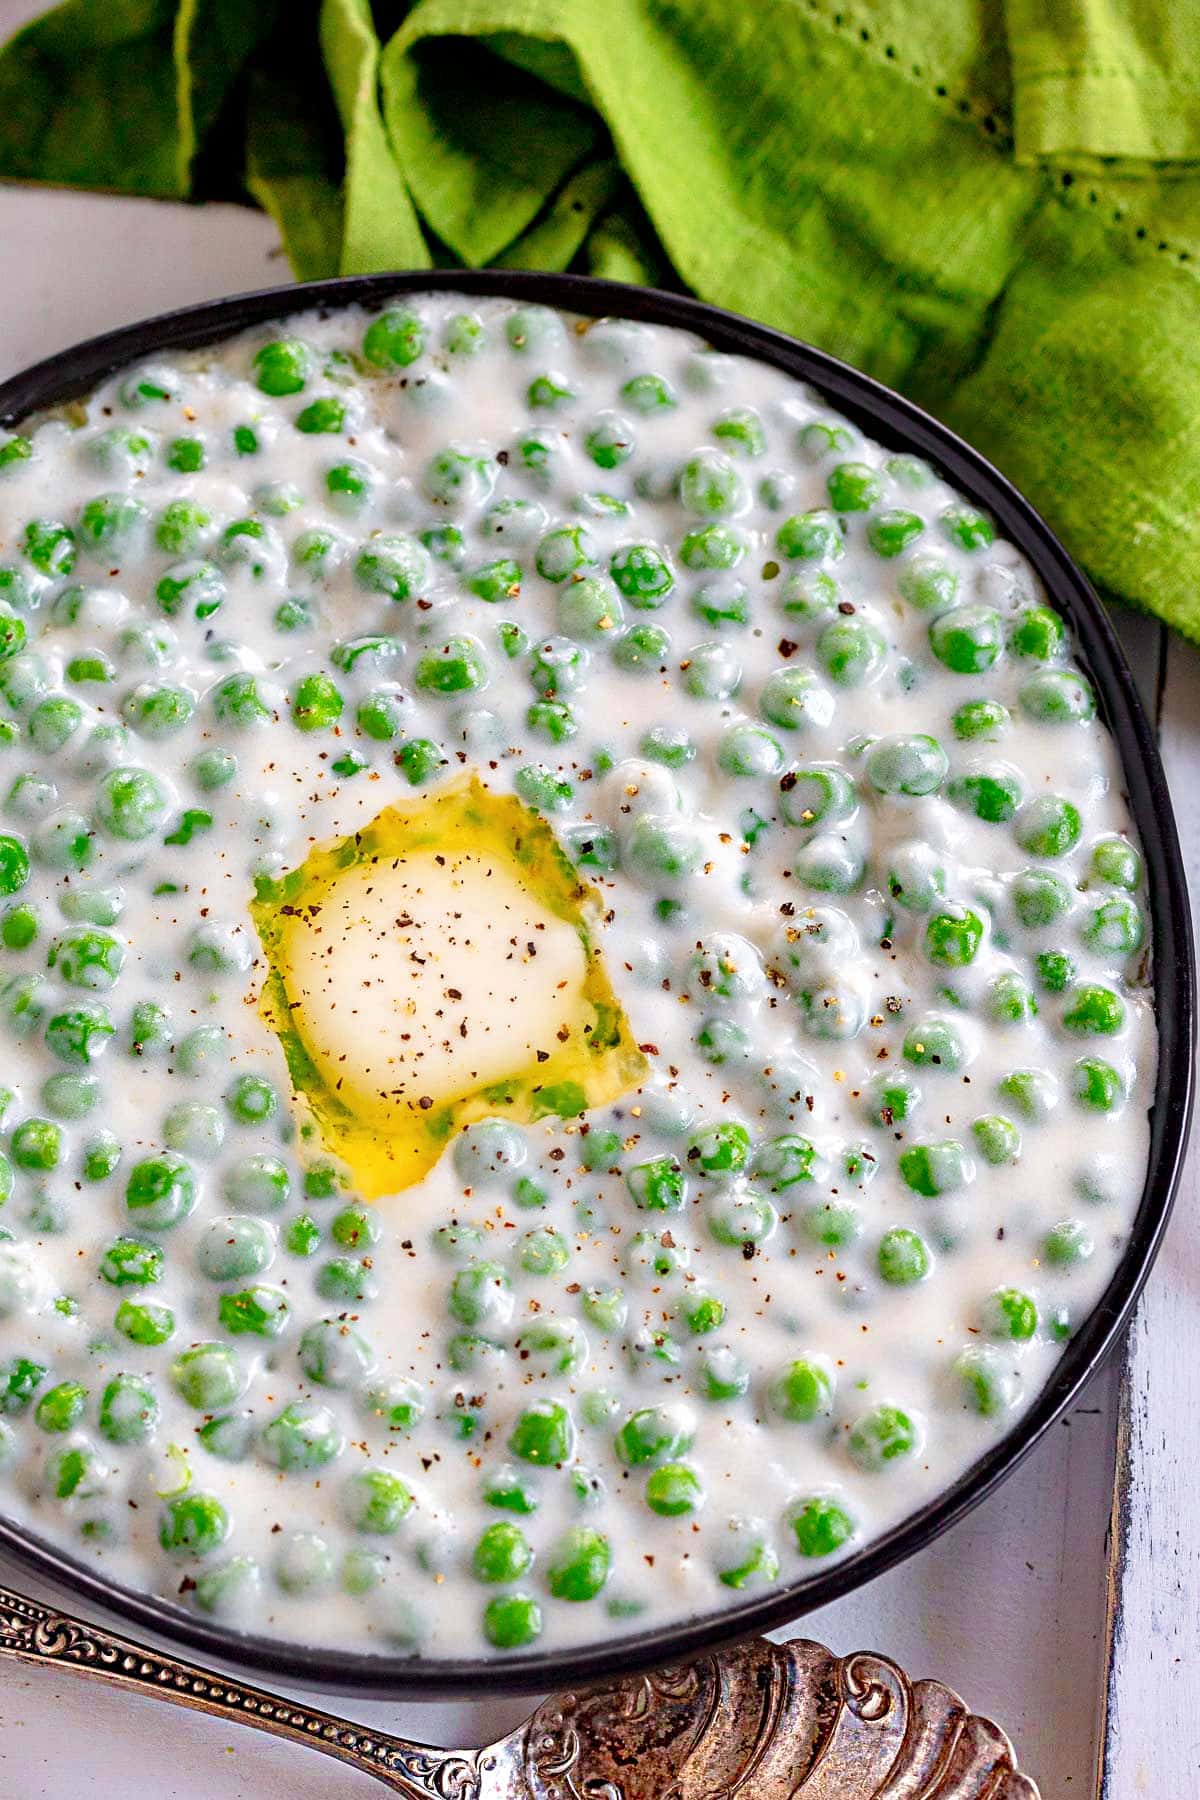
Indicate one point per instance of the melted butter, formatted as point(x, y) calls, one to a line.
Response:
point(433, 968)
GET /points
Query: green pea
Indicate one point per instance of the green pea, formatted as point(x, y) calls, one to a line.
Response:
point(302, 1236)
point(967, 527)
point(953, 939)
point(712, 547)
point(395, 339)
point(149, 1028)
point(18, 927)
point(997, 1139)
point(709, 484)
point(129, 1410)
point(108, 520)
point(655, 1434)
point(1055, 970)
point(257, 1312)
point(820, 794)
point(1067, 1243)
point(720, 1150)
point(851, 651)
point(1031, 1092)
point(893, 531)
point(906, 763)
point(588, 608)
point(186, 455)
point(1010, 1315)
point(464, 334)
point(1115, 861)
point(783, 1162)
point(880, 1436)
point(304, 1435)
point(511, 1621)
point(346, 1278)
point(238, 701)
point(649, 394)
point(579, 1564)
point(1113, 927)
point(749, 750)
point(853, 487)
point(834, 1224)
point(61, 1407)
point(302, 1563)
point(316, 703)
point(129, 1262)
point(702, 1313)
point(181, 528)
point(819, 1525)
point(1094, 1010)
point(722, 604)
point(606, 1307)
point(208, 1376)
point(675, 1491)
point(282, 366)
point(903, 1257)
point(741, 1218)
point(502, 1554)
point(1048, 825)
point(986, 719)
point(988, 1387)
point(934, 1043)
point(144, 1323)
point(101, 1154)
point(802, 1391)
point(160, 1191)
point(809, 595)
point(396, 1403)
point(564, 552)
point(891, 1097)
point(481, 1295)
point(193, 1524)
point(659, 1185)
point(711, 672)
point(36, 1145)
point(810, 537)
point(742, 429)
point(376, 1501)
point(420, 759)
point(13, 452)
point(544, 1252)
point(1097, 1085)
point(499, 580)
point(967, 639)
point(53, 722)
point(458, 666)
point(543, 1434)
point(50, 547)
point(1058, 697)
point(1010, 1000)
point(992, 795)
point(1040, 898)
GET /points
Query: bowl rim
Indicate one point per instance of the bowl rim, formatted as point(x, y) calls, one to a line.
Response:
point(890, 419)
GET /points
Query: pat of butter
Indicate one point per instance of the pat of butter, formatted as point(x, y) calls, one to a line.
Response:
point(440, 965)
point(428, 975)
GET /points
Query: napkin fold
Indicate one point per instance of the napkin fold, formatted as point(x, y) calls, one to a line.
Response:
point(995, 209)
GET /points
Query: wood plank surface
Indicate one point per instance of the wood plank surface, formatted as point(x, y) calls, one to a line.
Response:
point(1151, 1737)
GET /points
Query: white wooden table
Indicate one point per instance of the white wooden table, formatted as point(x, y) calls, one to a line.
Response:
point(1009, 1607)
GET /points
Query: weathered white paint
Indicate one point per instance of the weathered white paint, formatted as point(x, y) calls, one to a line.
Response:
point(1152, 1735)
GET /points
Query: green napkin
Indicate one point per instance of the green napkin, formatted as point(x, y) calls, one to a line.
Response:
point(994, 208)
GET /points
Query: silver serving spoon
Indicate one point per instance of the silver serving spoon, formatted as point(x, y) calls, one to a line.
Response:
point(758, 1721)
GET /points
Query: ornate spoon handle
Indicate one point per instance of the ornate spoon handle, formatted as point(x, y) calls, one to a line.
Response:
point(755, 1721)
point(32, 1633)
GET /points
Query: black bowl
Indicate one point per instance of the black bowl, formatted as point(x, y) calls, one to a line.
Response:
point(896, 422)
